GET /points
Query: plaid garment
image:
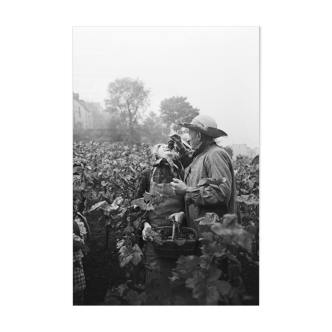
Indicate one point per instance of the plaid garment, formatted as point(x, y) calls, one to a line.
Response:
point(79, 278)
point(163, 174)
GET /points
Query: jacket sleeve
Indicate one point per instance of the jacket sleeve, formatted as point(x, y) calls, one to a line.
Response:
point(216, 189)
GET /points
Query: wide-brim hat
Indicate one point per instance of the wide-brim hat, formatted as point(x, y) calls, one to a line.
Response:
point(204, 124)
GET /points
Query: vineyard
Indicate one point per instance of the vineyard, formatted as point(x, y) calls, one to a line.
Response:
point(105, 177)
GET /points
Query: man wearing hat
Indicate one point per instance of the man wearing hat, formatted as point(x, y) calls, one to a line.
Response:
point(209, 184)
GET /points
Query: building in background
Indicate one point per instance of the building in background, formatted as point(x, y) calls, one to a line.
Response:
point(82, 115)
point(99, 116)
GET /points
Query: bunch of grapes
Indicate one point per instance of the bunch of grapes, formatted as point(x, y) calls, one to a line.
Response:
point(171, 144)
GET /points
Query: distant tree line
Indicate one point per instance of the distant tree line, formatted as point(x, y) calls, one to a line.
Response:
point(126, 105)
point(127, 102)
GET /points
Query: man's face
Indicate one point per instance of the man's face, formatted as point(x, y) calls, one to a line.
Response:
point(165, 152)
point(194, 141)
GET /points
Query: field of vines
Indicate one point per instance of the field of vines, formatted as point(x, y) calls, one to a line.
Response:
point(104, 180)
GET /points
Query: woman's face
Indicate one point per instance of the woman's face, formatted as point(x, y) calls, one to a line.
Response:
point(165, 152)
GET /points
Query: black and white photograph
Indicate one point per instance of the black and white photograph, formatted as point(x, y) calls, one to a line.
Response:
point(166, 142)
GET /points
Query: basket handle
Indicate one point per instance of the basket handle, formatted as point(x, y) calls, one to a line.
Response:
point(173, 231)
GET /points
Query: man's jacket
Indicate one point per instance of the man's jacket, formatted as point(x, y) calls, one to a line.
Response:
point(209, 171)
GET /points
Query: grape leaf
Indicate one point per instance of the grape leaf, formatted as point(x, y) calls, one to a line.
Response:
point(243, 239)
point(132, 170)
point(97, 205)
point(142, 205)
point(207, 236)
point(129, 230)
point(218, 229)
point(212, 295)
point(137, 223)
point(149, 207)
point(251, 229)
point(122, 289)
point(148, 197)
point(216, 249)
point(120, 244)
point(137, 257)
point(223, 287)
point(186, 264)
point(134, 298)
point(125, 259)
point(229, 220)
point(124, 180)
point(204, 286)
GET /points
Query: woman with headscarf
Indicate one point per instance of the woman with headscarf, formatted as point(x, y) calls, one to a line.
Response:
point(157, 181)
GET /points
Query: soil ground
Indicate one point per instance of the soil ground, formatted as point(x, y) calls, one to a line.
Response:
point(102, 270)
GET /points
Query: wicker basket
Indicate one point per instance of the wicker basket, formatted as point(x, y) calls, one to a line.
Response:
point(169, 249)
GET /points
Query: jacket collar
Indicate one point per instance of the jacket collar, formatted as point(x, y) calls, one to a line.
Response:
point(203, 147)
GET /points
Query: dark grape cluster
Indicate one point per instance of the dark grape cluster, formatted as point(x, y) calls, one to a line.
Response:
point(171, 144)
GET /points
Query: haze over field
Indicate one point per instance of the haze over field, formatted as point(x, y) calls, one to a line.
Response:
point(217, 69)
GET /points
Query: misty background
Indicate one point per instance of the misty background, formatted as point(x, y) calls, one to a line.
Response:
point(216, 70)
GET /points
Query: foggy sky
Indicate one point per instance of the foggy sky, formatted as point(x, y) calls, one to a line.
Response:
point(216, 68)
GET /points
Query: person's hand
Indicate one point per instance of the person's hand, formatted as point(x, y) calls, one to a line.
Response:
point(78, 242)
point(177, 217)
point(178, 141)
point(145, 232)
point(179, 187)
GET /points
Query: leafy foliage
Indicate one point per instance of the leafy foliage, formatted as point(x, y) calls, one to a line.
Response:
point(104, 181)
point(247, 181)
point(203, 274)
point(110, 177)
point(105, 176)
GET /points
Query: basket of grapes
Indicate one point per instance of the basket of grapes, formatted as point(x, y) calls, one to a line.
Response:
point(175, 241)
